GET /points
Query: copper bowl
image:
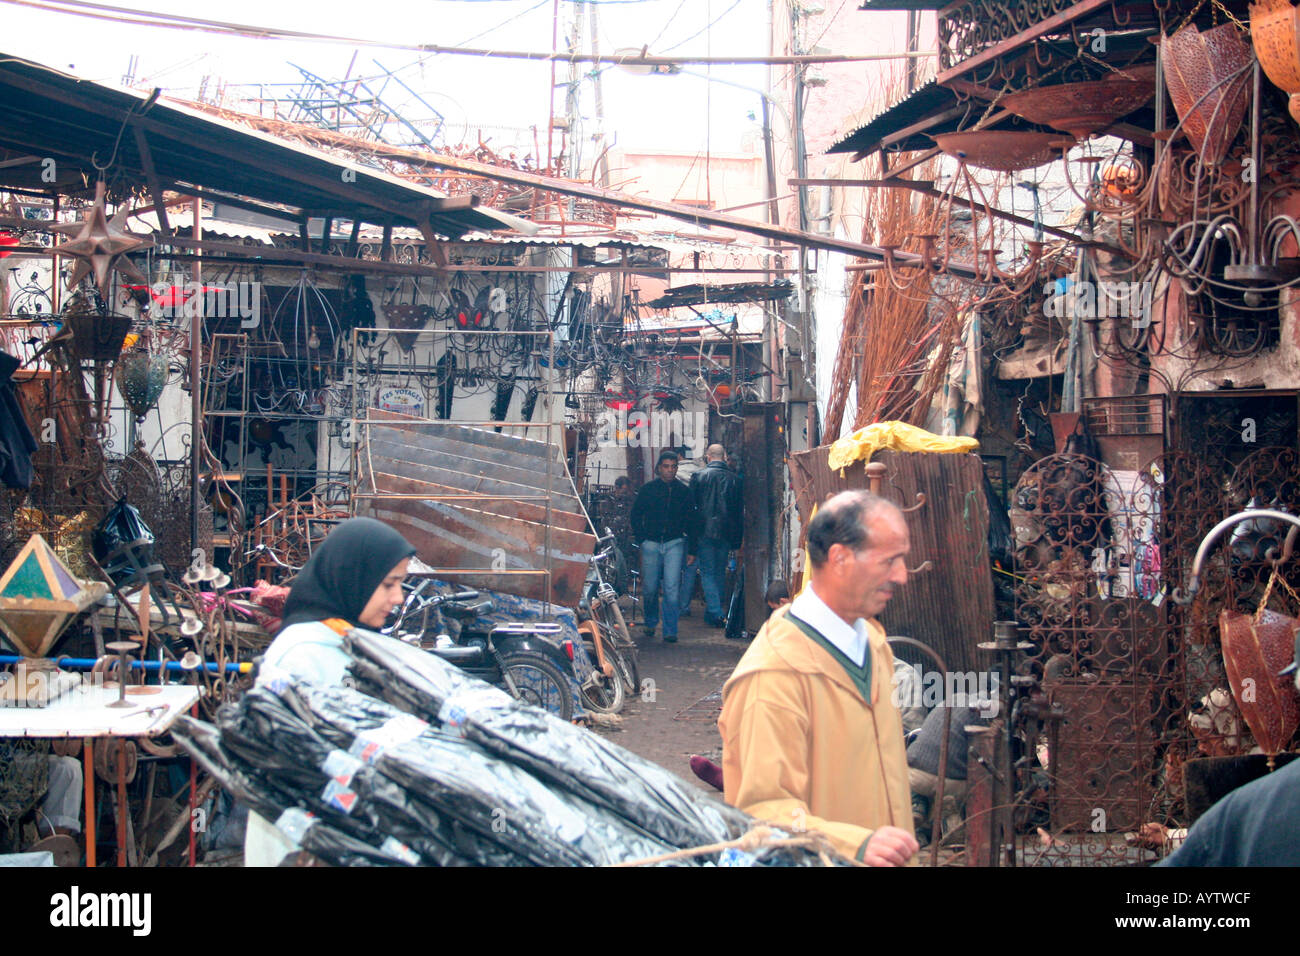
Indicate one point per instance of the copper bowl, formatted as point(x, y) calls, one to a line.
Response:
point(1004, 150)
point(1081, 109)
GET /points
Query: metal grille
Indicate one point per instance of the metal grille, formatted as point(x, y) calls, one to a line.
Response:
point(1138, 680)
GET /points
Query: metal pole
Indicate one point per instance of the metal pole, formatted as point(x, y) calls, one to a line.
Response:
point(196, 371)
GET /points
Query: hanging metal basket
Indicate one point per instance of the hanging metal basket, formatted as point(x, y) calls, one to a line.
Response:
point(96, 337)
point(141, 377)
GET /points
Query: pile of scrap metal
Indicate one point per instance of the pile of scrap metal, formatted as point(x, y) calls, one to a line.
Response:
point(500, 506)
point(418, 764)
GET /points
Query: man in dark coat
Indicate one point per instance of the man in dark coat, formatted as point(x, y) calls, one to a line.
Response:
point(715, 492)
point(664, 522)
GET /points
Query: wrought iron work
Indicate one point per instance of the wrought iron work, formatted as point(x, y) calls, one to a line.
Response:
point(1136, 679)
point(978, 25)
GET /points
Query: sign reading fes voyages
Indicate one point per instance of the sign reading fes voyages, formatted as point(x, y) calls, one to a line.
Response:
point(397, 398)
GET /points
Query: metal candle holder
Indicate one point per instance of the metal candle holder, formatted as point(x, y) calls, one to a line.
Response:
point(123, 651)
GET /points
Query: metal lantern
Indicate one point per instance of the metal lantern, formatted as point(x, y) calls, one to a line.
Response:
point(39, 596)
point(141, 377)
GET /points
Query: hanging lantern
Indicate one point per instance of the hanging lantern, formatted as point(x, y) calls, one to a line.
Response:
point(1197, 67)
point(96, 337)
point(141, 377)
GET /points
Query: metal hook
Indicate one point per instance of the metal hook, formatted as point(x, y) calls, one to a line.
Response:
point(926, 565)
point(1194, 585)
point(1288, 546)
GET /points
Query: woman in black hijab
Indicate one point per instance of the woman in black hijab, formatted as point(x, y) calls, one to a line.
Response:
point(353, 580)
point(341, 578)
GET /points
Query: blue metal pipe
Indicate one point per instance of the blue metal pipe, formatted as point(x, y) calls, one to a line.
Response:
point(173, 667)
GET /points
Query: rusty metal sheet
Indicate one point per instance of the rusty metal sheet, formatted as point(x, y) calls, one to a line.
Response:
point(468, 484)
point(501, 538)
point(950, 607)
point(466, 459)
point(465, 446)
point(508, 441)
point(455, 536)
point(506, 507)
point(478, 477)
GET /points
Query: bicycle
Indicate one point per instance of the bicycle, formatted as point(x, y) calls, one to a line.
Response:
point(607, 615)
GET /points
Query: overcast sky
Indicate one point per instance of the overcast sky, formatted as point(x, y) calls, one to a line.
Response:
point(672, 112)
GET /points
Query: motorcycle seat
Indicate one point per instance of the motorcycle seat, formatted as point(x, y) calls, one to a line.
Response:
point(464, 610)
point(460, 656)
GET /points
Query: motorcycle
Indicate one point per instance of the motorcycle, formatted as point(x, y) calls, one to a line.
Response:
point(529, 660)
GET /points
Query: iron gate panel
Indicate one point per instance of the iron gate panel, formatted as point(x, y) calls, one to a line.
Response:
point(1138, 679)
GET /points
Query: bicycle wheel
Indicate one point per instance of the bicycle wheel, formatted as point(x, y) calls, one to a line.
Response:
point(621, 638)
point(538, 682)
point(605, 694)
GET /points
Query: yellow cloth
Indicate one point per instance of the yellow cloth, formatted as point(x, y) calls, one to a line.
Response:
point(802, 748)
point(898, 436)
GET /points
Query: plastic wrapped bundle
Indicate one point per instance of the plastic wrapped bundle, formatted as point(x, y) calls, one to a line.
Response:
point(357, 780)
point(261, 732)
point(499, 802)
point(316, 836)
point(568, 757)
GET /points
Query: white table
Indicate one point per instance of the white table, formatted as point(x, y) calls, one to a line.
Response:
point(84, 713)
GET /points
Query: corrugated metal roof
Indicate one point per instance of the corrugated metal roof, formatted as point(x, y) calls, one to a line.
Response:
point(623, 237)
point(184, 219)
point(70, 120)
point(924, 101)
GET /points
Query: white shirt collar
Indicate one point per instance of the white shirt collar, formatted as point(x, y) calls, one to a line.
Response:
point(851, 641)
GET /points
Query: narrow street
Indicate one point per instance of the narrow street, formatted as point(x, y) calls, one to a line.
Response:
point(672, 719)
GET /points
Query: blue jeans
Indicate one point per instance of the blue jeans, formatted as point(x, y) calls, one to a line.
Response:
point(713, 574)
point(661, 562)
point(689, 571)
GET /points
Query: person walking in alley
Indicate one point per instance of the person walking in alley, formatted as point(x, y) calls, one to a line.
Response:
point(811, 738)
point(664, 521)
point(715, 493)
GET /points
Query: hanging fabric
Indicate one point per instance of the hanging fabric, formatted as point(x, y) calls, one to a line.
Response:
point(17, 443)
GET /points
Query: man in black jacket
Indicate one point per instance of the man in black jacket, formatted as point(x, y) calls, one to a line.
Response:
point(715, 492)
point(663, 521)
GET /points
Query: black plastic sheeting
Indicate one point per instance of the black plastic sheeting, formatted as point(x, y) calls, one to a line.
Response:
point(447, 770)
point(567, 756)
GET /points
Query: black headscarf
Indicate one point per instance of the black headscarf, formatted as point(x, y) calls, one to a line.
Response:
point(341, 577)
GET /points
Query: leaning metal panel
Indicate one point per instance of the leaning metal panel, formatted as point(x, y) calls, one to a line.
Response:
point(1088, 592)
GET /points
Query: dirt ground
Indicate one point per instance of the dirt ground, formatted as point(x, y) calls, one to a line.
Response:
point(670, 720)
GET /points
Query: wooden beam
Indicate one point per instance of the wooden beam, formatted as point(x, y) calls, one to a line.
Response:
point(927, 188)
point(151, 175)
point(922, 125)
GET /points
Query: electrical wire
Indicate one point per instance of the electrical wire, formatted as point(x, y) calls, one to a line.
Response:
point(124, 15)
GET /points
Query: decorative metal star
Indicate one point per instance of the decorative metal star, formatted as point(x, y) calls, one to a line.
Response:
point(100, 244)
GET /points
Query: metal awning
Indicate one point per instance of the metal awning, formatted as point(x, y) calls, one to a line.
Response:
point(55, 127)
point(928, 108)
point(730, 293)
